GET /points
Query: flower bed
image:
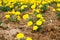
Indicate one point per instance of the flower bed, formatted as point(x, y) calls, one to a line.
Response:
point(29, 20)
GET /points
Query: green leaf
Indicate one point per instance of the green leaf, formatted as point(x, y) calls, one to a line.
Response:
point(0, 22)
point(44, 8)
point(22, 39)
point(30, 19)
point(40, 28)
point(6, 8)
point(58, 14)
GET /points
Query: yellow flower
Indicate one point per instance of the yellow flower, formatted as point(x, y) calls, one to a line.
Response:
point(37, 10)
point(58, 4)
point(42, 19)
point(8, 4)
point(40, 5)
point(23, 6)
point(0, 3)
point(13, 11)
point(26, 16)
point(11, 6)
point(8, 12)
point(33, 6)
point(35, 27)
point(7, 16)
point(17, 13)
point(20, 35)
point(53, 9)
point(39, 15)
point(30, 23)
point(18, 18)
point(44, 2)
point(58, 9)
point(28, 38)
point(39, 22)
point(49, 1)
point(57, 0)
point(48, 6)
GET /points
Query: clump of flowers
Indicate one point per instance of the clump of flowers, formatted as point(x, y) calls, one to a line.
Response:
point(37, 22)
point(38, 7)
point(22, 37)
point(14, 8)
point(13, 16)
point(23, 5)
point(58, 6)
